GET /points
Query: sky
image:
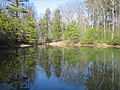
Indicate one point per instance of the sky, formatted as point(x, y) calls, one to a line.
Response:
point(41, 5)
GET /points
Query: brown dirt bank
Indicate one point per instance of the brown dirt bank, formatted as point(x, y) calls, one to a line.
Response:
point(70, 44)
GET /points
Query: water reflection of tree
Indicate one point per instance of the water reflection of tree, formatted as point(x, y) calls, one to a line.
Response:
point(105, 72)
point(98, 69)
point(65, 64)
point(15, 68)
point(50, 60)
point(43, 60)
point(73, 67)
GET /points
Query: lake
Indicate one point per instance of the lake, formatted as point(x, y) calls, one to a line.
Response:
point(48, 68)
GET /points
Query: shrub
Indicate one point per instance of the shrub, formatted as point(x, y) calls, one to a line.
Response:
point(90, 36)
point(72, 32)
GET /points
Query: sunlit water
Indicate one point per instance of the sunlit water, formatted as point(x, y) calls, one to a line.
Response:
point(60, 69)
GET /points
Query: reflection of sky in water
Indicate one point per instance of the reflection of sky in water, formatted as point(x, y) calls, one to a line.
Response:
point(32, 71)
point(53, 83)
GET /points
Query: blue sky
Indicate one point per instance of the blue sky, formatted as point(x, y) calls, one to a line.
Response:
point(41, 5)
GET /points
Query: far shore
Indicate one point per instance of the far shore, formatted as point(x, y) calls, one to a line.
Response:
point(67, 44)
point(70, 44)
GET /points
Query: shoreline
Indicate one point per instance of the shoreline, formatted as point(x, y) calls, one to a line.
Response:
point(25, 45)
point(66, 44)
point(16, 46)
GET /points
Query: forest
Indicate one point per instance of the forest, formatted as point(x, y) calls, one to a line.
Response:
point(59, 44)
point(87, 22)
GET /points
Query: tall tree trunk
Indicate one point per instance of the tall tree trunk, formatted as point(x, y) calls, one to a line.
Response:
point(104, 26)
point(113, 19)
point(17, 5)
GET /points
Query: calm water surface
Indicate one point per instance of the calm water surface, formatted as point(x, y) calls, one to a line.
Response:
point(46, 68)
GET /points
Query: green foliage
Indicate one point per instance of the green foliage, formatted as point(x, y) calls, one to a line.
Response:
point(90, 36)
point(72, 32)
point(17, 9)
point(51, 30)
point(14, 8)
point(99, 36)
point(14, 31)
point(7, 29)
point(56, 26)
point(114, 41)
point(29, 31)
point(43, 28)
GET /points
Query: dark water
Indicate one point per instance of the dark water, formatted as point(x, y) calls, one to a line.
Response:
point(60, 69)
